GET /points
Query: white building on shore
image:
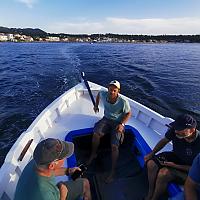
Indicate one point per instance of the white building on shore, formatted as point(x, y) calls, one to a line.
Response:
point(53, 39)
point(10, 37)
point(3, 37)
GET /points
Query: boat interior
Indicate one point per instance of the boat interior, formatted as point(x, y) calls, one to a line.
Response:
point(130, 180)
point(69, 117)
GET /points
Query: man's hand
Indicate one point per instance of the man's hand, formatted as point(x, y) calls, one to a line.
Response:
point(120, 128)
point(96, 109)
point(148, 156)
point(169, 164)
point(63, 190)
point(176, 166)
point(72, 170)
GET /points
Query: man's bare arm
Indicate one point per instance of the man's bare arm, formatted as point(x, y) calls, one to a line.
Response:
point(63, 190)
point(65, 171)
point(157, 148)
point(126, 118)
point(190, 189)
point(179, 167)
point(96, 107)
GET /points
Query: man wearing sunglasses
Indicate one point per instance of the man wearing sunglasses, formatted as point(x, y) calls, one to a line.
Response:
point(37, 180)
point(174, 165)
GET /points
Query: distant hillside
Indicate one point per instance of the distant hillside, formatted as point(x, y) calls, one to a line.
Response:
point(103, 37)
point(24, 31)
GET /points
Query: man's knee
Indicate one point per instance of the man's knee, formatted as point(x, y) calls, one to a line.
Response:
point(164, 174)
point(86, 185)
point(151, 165)
point(114, 147)
point(98, 135)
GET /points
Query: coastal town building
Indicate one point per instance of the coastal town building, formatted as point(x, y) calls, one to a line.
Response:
point(53, 39)
point(99, 38)
point(15, 38)
point(3, 37)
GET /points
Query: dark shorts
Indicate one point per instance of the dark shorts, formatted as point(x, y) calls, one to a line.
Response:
point(75, 189)
point(107, 126)
point(180, 176)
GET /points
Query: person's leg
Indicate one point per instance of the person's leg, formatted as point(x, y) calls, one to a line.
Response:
point(153, 166)
point(101, 127)
point(114, 155)
point(152, 169)
point(163, 178)
point(95, 144)
point(78, 188)
point(86, 190)
point(116, 140)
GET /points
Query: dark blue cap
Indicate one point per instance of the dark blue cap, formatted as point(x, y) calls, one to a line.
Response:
point(183, 122)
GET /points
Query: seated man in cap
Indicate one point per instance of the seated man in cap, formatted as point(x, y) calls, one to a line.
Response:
point(116, 113)
point(173, 166)
point(37, 180)
point(192, 183)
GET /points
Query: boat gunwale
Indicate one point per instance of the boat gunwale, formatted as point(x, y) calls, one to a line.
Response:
point(38, 129)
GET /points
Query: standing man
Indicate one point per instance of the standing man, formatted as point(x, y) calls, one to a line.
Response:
point(116, 114)
point(37, 180)
point(192, 184)
point(173, 166)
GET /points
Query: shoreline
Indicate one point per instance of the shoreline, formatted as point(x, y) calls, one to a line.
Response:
point(158, 42)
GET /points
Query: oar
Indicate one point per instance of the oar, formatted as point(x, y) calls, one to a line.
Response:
point(88, 87)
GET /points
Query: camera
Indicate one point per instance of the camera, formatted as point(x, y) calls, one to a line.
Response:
point(78, 173)
point(161, 159)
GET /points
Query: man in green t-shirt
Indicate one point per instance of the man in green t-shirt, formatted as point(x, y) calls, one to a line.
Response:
point(37, 181)
point(116, 114)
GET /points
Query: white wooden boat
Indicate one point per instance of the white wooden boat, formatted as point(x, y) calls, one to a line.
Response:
point(74, 111)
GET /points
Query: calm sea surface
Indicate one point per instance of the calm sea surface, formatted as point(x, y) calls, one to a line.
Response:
point(164, 77)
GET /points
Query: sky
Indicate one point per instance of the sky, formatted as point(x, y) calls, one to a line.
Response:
point(149, 17)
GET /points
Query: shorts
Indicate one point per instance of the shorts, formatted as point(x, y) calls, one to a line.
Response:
point(180, 176)
point(108, 126)
point(75, 189)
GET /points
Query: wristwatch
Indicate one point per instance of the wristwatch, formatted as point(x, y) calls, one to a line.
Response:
point(122, 124)
point(67, 172)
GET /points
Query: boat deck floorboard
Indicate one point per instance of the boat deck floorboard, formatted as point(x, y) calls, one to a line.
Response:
point(130, 180)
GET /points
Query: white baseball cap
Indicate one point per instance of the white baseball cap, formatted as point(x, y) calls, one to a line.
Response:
point(115, 83)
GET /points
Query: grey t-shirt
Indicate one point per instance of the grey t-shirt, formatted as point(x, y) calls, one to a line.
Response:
point(114, 111)
point(184, 150)
point(32, 186)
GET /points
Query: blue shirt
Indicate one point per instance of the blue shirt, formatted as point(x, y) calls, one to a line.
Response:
point(185, 151)
point(194, 172)
point(114, 111)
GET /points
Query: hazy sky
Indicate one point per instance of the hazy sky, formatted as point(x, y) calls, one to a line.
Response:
point(103, 16)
